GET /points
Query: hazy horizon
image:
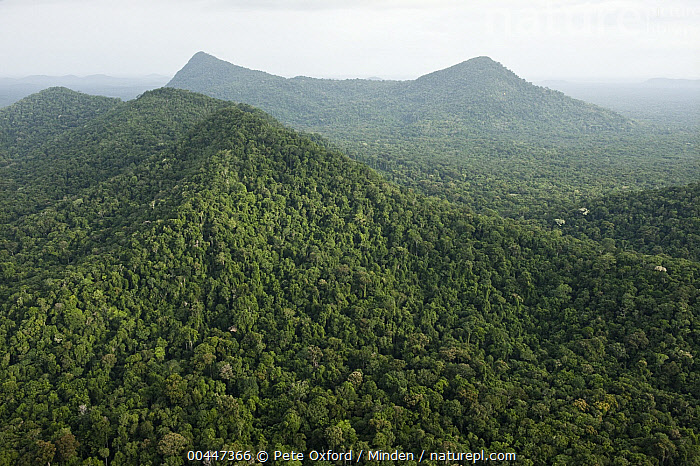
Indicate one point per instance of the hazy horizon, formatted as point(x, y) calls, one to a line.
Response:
point(159, 76)
point(619, 40)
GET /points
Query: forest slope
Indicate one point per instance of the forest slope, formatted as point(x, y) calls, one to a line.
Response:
point(59, 141)
point(661, 221)
point(476, 97)
point(474, 133)
point(40, 116)
point(241, 287)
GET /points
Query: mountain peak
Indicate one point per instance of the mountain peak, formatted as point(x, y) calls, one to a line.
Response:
point(208, 72)
point(480, 68)
point(483, 59)
point(203, 59)
point(204, 56)
point(202, 53)
point(480, 93)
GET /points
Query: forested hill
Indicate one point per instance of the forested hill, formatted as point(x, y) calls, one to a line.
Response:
point(474, 97)
point(483, 94)
point(474, 133)
point(206, 71)
point(61, 141)
point(237, 286)
point(306, 103)
point(40, 116)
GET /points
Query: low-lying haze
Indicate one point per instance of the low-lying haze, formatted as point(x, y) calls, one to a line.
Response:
point(611, 40)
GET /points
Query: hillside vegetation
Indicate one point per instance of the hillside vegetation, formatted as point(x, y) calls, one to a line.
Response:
point(227, 283)
point(34, 119)
point(474, 97)
point(662, 221)
point(474, 133)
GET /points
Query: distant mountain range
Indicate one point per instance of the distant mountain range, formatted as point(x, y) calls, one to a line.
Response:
point(478, 96)
point(474, 132)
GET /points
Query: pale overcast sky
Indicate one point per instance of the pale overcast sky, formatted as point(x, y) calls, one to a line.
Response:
point(615, 39)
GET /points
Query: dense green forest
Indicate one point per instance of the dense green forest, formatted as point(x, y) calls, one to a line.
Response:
point(39, 117)
point(474, 133)
point(59, 141)
point(662, 221)
point(476, 97)
point(179, 272)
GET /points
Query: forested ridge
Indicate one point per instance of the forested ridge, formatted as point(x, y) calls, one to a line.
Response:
point(232, 284)
point(474, 97)
point(36, 118)
point(59, 145)
point(474, 133)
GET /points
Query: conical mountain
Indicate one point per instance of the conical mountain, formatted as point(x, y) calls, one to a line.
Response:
point(483, 94)
point(474, 73)
point(206, 72)
point(238, 287)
